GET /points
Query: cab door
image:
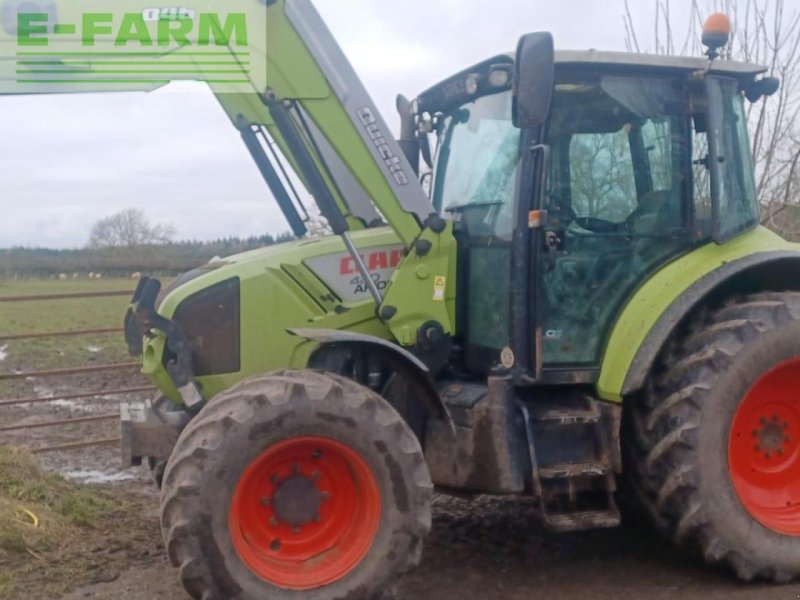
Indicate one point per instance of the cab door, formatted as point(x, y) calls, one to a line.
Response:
point(619, 204)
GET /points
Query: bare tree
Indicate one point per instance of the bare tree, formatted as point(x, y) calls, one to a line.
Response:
point(128, 229)
point(602, 175)
point(764, 32)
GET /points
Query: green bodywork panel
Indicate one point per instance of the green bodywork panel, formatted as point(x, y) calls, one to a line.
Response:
point(277, 292)
point(653, 298)
point(424, 288)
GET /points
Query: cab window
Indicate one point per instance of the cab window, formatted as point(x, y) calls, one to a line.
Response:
point(619, 181)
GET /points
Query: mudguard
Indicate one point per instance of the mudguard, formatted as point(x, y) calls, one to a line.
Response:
point(754, 261)
point(325, 337)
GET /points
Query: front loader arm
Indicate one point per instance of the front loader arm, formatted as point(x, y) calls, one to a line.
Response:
point(269, 55)
point(308, 73)
point(274, 66)
point(302, 55)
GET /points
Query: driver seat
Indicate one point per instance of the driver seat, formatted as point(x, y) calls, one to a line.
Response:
point(653, 215)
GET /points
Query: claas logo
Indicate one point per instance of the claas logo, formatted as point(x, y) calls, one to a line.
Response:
point(151, 27)
point(375, 261)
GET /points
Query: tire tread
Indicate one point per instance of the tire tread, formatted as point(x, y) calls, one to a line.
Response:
point(205, 434)
point(662, 424)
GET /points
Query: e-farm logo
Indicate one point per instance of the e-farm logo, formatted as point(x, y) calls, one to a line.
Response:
point(161, 27)
point(132, 47)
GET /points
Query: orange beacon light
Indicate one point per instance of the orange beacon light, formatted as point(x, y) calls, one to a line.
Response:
point(716, 33)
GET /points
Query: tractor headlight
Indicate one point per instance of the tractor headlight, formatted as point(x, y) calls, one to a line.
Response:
point(211, 323)
point(471, 84)
point(499, 78)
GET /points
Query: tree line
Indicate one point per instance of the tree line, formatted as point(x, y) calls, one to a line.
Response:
point(162, 259)
point(124, 244)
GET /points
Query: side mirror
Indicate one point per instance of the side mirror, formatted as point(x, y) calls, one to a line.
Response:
point(762, 88)
point(534, 80)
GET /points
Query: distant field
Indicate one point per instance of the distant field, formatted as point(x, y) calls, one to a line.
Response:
point(46, 316)
point(24, 287)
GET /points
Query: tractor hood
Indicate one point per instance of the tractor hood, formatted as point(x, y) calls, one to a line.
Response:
point(326, 259)
point(235, 312)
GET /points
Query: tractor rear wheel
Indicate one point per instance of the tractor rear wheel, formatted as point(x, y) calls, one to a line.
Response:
point(714, 444)
point(296, 485)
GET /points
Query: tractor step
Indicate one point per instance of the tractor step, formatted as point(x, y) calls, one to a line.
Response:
point(567, 410)
point(570, 470)
point(568, 416)
point(580, 520)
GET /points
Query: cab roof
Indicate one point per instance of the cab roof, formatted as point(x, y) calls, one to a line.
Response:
point(678, 63)
point(451, 91)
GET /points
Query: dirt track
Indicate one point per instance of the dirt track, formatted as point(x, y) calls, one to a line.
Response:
point(491, 549)
point(487, 548)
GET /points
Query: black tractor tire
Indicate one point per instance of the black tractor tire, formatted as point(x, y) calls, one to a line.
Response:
point(237, 428)
point(677, 433)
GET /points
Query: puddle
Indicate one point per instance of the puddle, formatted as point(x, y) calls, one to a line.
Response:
point(93, 404)
point(44, 392)
point(64, 404)
point(94, 349)
point(94, 476)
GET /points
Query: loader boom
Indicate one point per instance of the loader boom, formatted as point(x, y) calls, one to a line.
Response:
point(284, 82)
point(272, 65)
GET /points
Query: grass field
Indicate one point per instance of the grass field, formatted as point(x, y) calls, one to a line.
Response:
point(44, 521)
point(56, 534)
point(47, 316)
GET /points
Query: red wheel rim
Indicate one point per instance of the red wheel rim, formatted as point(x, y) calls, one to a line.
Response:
point(764, 449)
point(305, 513)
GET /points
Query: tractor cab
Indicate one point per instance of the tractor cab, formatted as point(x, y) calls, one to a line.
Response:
point(639, 159)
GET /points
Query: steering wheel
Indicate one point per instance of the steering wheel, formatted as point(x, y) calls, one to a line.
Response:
point(597, 225)
point(568, 215)
point(651, 204)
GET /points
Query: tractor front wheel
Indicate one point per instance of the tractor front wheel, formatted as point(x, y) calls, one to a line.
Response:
point(714, 444)
point(297, 485)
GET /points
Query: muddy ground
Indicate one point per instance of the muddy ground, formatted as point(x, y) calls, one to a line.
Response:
point(490, 549)
point(485, 548)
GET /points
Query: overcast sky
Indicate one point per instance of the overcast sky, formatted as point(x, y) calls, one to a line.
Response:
point(66, 161)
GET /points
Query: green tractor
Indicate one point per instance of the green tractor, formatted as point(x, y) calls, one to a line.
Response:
point(555, 277)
